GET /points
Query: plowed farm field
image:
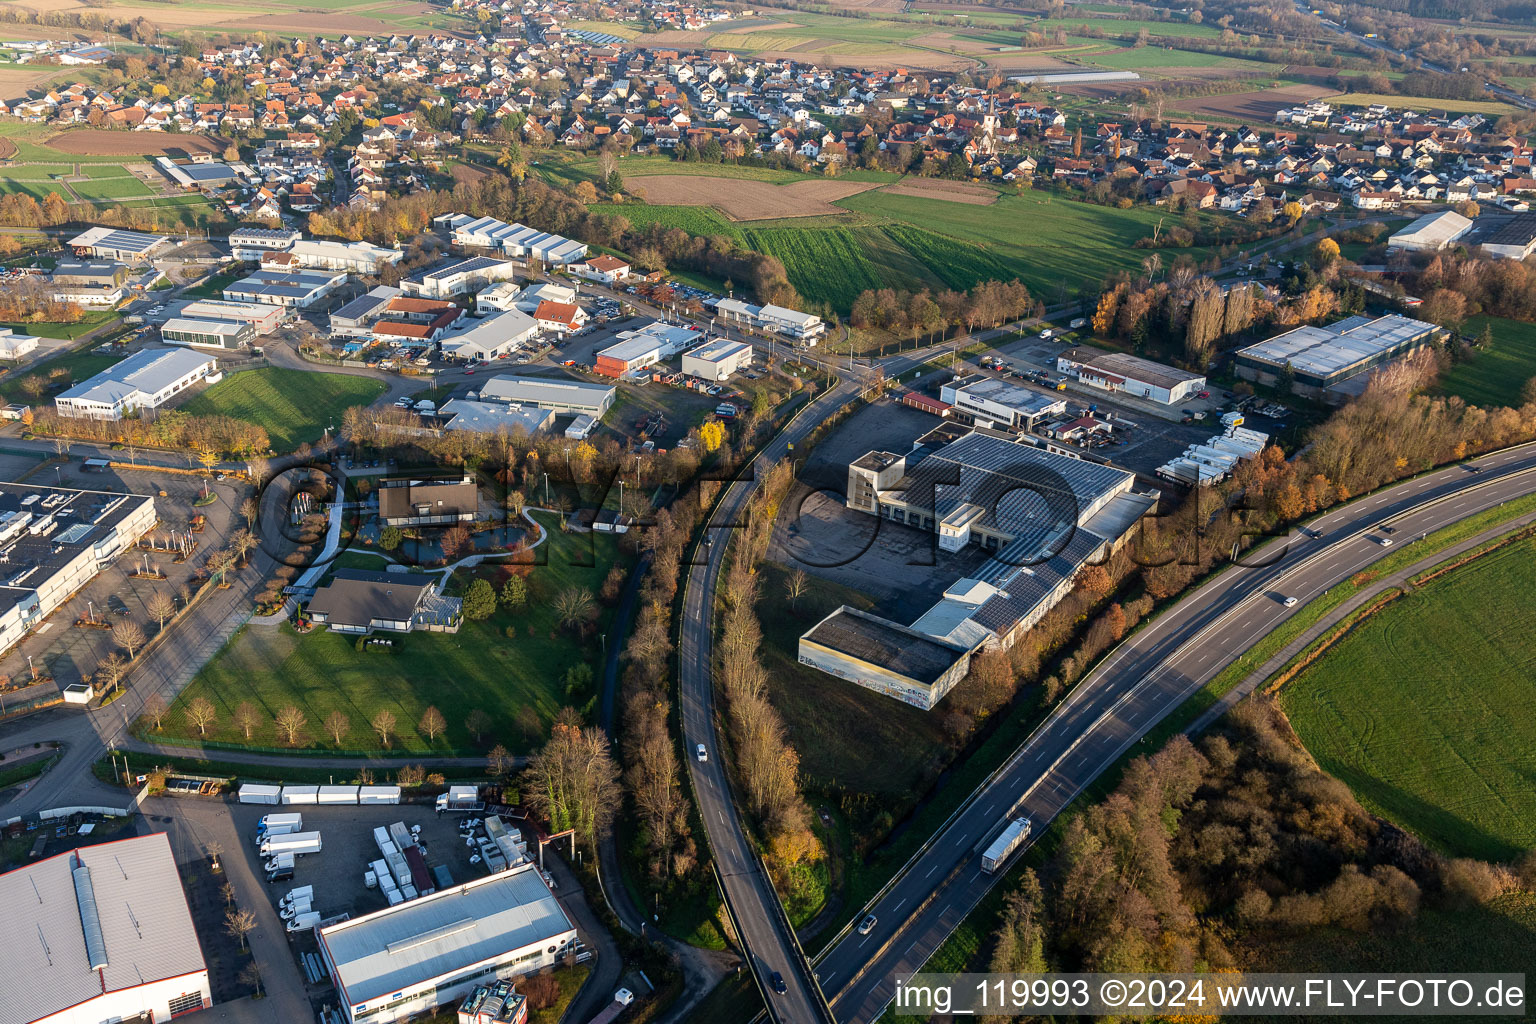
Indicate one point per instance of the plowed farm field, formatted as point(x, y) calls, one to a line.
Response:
point(949, 191)
point(747, 200)
point(100, 142)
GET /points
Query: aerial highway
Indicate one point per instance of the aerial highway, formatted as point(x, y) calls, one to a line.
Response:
point(1140, 682)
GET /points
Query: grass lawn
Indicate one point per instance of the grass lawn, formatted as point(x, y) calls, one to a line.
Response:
point(478, 667)
point(696, 220)
point(87, 322)
point(112, 189)
point(1495, 377)
point(1422, 710)
point(212, 287)
point(294, 406)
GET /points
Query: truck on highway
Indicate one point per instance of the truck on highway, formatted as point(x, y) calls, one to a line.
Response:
point(1007, 841)
point(296, 843)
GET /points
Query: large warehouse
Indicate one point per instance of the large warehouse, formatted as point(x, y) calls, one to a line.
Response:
point(1130, 375)
point(496, 335)
point(263, 318)
point(118, 244)
point(558, 394)
point(225, 334)
point(432, 951)
point(145, 380)
point(1431, 232)
point(1043, 515)
point(1510, 238)
point(300, 288)
point(1323, 359)
point(56, 540)
point(102, 933)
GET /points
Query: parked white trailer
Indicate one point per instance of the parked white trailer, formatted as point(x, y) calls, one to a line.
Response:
point(252, 793)
point(378, 795)
point(301, 794)
point(380, 837)
point(296, 843)
point(292, 820)
point(337, 795)
point(460, 798)
point(1007, 841)
point(401, 836)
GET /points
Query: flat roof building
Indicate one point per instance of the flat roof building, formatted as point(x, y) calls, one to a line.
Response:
point(1510, 238)
point(197, 176)
point(497, 335)
point(145, 380)
point(458, 277)
point(803, 327)
point(296, 288)
point(118, 244)
point(56, 540)
point(1431, 232)
point(1320, 359)
point(1043, 515)
point(253, 243)
point(362, 601)
point(354, 257)
point(992, 402)
point(1131, 375)
point(717, 359)
point(558, 394)
point(102, 933)
point(427, 952)
point(263, 318)
point(356, 318)
point(495, 417)
point(640, 348)
point(207, 333)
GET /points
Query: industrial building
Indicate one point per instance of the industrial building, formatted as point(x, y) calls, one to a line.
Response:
point(207, 333)
point(196, 177)
point(1042, 514)
point(496, 335)
point(1510, 238)
point(1130, 375)
point(457, 277)
point(1431, 232)
point(250, 244)
point(1325, 361)
point(56, 540)
point(118, 244)
point(263, 318)
point(428, 952)
point(513, 239)
point(102, 283)
point(362, 601)
point(992, 402)
point(102, 933)
point(717, 359)
point(355, 319)
point(802, 327)
point(354, 257)
point(495, 417)
point(14, 346)
point(640, 348)
point(296, 288)
point(145, 380)
point(558, 394)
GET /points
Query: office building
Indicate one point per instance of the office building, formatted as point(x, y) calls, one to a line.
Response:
point(102, 933)
point(429, 952)
point(263, 318)
point(143, 381)
point(363, 601)
point(251, 244)
point(427, 502)
point(791, 323)
point(56, 540)
point(458, 277)
point(993, 402)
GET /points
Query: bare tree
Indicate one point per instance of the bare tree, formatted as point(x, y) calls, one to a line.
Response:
point(154, 707)
point(259, 469)
point(202, 714)
point(227, 890)
point(289, 721)
point(239, 924)
point(384, 724)
point(110, 672)
point(477, 722)
point(219, 564)
point(338, 725)
point(573, 605)
point(795, 586)
point(250, 976)
point(128, 636)
point(241, 544)
point(161, 606)
point(574, 782)
point(498, 762)
point(247, 718)
point(432, 724)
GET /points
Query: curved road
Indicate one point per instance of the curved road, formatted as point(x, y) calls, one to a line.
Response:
point(1142, 680)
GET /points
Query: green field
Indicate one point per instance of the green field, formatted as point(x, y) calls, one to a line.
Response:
point(36, 189)
point(958, 265)
point(696, 220)
point(824, 264)
point(1423, 711)
point(477, 667)
point(1497, 376)
point(1424, 104)
point(294, 406)
point(112, 189)
point(107, 171)
point(1166, 57)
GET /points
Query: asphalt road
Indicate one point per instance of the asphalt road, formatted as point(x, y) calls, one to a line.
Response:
point(1144, 679)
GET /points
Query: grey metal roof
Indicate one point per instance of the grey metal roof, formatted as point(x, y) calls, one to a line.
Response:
point(1324, 351)
point(148, 371)
point(289, 283)
point(366, 303)
point(552, 392)
point(142, 930)
point(454, 267)
point(422, 939)
point(490, 417)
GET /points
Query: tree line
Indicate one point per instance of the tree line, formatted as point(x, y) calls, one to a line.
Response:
point(169, 428)
point(920, 313)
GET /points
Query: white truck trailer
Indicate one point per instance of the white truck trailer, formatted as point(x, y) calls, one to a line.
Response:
point(1008, 840)
point(296, 843)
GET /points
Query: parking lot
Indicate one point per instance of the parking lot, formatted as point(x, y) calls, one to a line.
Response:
point(70, 653)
